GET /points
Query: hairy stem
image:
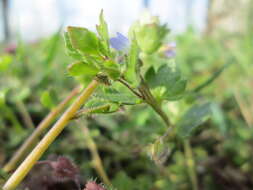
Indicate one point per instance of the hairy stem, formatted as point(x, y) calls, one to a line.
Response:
point(91, 110)
point(149, 99)
point(122, 81)
point(33, 138)
point(57, 128)
point(146, 95)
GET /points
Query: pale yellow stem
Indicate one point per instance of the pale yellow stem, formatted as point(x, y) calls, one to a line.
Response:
point(37, 152)
point(96, 160)
point(33, 138)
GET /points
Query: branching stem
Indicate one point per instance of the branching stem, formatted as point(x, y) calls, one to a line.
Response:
point(125, 83)
point(149, 99)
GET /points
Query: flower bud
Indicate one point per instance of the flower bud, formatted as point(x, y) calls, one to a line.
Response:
point(150, 34)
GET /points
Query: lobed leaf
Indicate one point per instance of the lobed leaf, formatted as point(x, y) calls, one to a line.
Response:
point(167, 81)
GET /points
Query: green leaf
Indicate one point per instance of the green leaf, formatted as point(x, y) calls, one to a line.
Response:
point(70, 50)
point(193, 118)
point(114, 96)
point(159, 151)
point(81, 68)
point(102, 30)
point(4, 175)
point(166, 82)
point(47, 100)
point(53, 46)
point(212, 78)
point(84, 40)
point(123, 182)
point(3, 94)
point(21, 95)
point(132, 62)
point(100, 106)
point(112, 69)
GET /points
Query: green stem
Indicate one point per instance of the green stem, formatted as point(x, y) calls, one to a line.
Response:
point(12, 117)
point(25, 115)
point(125, 83)
point(150, 99)
point(37, 152)
point(145, 94)
point(91, 110)
point(33, 138)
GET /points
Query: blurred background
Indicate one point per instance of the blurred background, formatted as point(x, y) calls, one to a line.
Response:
point(209, 34)
point(35, 19)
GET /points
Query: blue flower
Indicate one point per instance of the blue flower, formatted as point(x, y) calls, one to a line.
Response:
point(120, 42)
point(170, 51)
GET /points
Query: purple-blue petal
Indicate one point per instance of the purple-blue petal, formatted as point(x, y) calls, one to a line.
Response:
point(120, 42)
point(170, 53)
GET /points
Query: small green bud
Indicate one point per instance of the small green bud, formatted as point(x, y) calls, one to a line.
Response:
point(150, 35)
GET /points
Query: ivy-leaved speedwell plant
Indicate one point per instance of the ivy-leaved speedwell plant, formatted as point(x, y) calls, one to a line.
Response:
point(123, 71)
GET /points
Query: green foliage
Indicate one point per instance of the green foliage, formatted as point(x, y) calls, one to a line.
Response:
point(72, 52)
point(115, 96)
point(121, 137)
point(124, 182)
point(193, 118)
point(84, 45)
point(46, 99)
point(83, 40)
point(3, 93)
point(132, 63)
point(112, 69)
point(81, 68)
point(5, 61)
point(159, 151)
point(102, 30)
point(22, 95)
point(150, 36)
point(166, 83)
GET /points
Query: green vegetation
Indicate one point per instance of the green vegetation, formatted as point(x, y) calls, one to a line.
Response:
point(153, 121)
